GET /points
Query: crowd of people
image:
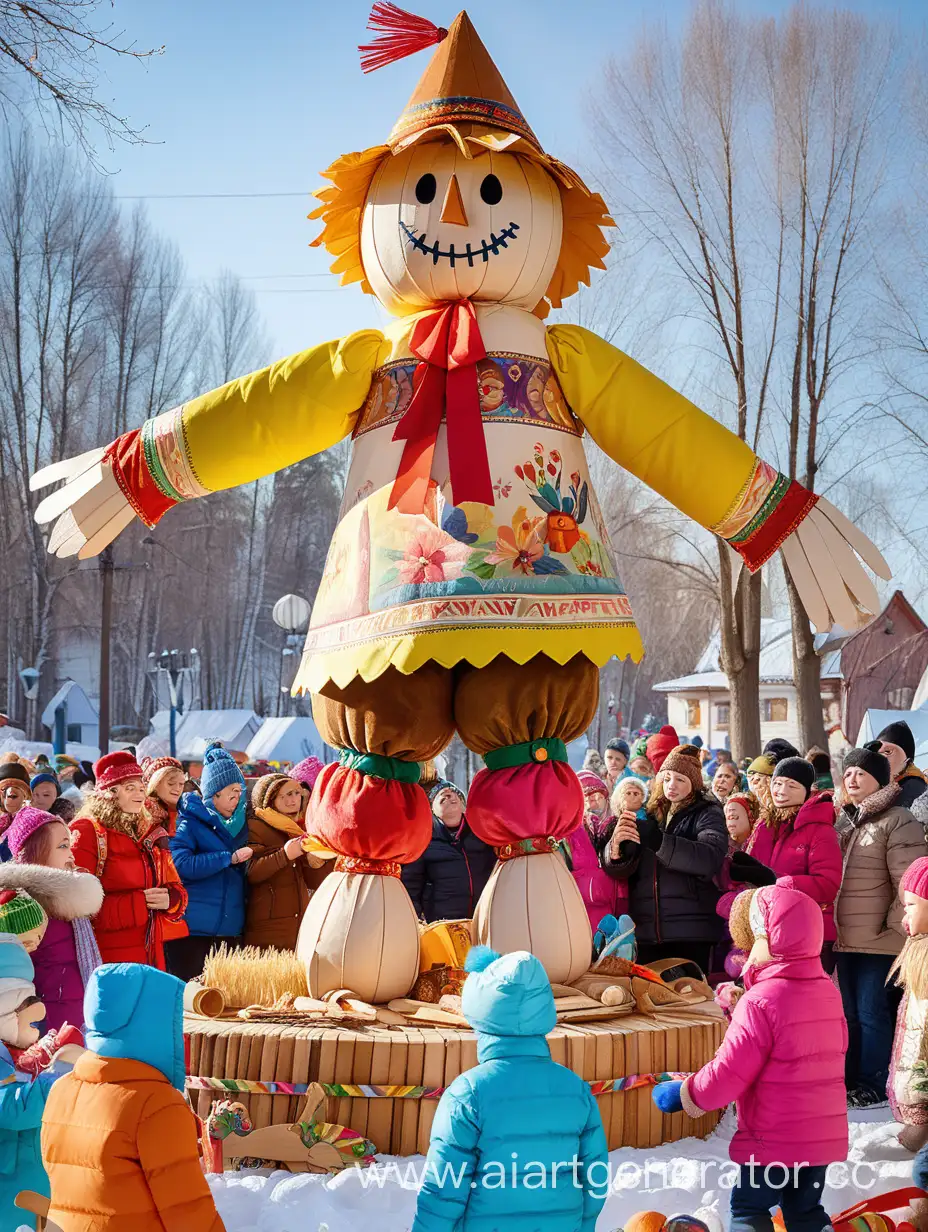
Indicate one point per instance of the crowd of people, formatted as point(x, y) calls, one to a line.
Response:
point(756, 873)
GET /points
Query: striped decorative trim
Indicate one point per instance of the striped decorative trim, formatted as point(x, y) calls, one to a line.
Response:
point(768, 510)
point(167, 456)
point(460, 109)
point(341, 1090)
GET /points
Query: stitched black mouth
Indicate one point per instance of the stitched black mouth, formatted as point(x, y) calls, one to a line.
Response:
point(470, 254)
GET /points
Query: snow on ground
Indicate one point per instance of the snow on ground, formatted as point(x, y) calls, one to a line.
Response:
point(692, 1177)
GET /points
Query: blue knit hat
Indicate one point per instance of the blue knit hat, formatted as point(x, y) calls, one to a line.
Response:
point(618, 746)
point(45, 776)
point(444, 785)
point(219, 770)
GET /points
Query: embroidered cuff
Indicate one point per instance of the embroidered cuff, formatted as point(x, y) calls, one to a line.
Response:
point(767, 511)
point(690, 1107)
point(153, 468)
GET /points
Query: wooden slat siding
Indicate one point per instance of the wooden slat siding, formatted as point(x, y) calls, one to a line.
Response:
point(399, 1065)
point(357, 1112)
point(345, 1072)
point(557, 1042)
point(270, 1069)
point(632, 1066)
point(327, 1054)
point(380, 1111)
point(433, 1074)
point(415, 1063)
point(672, 1126)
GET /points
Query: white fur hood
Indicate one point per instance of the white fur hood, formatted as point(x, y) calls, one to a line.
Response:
point(64, 895)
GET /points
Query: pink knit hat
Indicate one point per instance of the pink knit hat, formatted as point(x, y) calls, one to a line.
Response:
point(914, 879)
point(592, 783)
point(307, 771)
point(24, 824)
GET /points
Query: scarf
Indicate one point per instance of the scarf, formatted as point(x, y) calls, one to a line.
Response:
point(777, 817)
point(278, 821)
point(448, 344)
point(88, 953)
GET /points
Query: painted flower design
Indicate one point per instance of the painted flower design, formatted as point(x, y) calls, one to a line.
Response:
point(431, 556)
point(520, 545)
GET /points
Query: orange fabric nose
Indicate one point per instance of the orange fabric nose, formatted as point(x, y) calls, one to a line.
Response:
point(452, 209)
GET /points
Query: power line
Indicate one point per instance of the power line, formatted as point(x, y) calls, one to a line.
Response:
point(206, 196)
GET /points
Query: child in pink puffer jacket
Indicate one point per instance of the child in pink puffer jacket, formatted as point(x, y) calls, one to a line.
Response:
point(782, 1063)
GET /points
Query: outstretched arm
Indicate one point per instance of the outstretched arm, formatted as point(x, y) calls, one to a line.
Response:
point(249, 428)
point(715, 478)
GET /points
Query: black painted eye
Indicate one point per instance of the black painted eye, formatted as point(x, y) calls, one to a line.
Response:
point(491, 190)
point(425, 189)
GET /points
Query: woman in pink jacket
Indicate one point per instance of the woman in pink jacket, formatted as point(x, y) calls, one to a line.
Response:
point(782, 1063)
point(796, 845)
point(602, 893)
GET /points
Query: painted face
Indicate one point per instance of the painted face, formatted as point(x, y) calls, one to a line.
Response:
point(226, 801)
point(129, 795)
point(438, 226)
point(15, 796)
point(898, 758)
point(737, 821)
point(171, 787)
point(760, 785)
point(28, 1016)
point(44, 795)
point(289, 799)
point(641, 766)
point(914, 914)
point(725, 779)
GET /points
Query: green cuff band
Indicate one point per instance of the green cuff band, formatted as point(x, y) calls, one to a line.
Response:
point(534, 751)
point(381, 767)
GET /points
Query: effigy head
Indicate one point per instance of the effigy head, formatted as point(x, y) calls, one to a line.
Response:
point(461, 201)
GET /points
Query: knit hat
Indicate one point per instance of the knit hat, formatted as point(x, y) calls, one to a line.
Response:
point(64, 762)
point(20, 913)
point(13, 771)
point(307, 771)
point(748, 801)
point(266, 788)
point(445, 785)
point(17, 977)
point(739, 920)
point(640, 747)
point(915, 878)
point(779, 749)
point(875, 764)
point(764, 764)
point(592, 783)
point(659, 745)
point(113, 768)
point(898, 733)
point(24, 825)
point(618, 746)
point(797, 769)
point(219, 771)
point(154, 770)
point(684, 759)
point(45, 776)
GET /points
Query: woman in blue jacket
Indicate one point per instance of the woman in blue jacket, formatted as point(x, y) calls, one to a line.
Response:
point(518, 1142)
point(210, 861)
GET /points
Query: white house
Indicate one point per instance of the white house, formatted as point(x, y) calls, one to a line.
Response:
point(700, 704)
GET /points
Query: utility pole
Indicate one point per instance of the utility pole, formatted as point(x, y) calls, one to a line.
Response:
point(106, 621)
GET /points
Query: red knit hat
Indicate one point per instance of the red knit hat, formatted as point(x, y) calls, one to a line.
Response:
point(915, 878)
point(592, 783)
point(659, 745)
point(115, 768)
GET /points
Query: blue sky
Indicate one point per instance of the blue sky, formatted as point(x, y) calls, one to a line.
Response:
point(257, 98)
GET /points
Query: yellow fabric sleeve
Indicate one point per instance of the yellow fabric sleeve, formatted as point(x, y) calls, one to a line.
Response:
point(648, 428)
point(297, 407)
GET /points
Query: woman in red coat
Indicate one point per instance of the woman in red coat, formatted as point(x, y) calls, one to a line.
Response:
point(114, 839)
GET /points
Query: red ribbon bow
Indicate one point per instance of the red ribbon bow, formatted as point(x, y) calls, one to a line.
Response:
point(447, 342)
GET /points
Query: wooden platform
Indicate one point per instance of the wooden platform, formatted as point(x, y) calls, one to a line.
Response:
point(432, 1058)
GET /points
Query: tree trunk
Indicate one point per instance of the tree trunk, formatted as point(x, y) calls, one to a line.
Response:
point(807, 669)
point(740, 654)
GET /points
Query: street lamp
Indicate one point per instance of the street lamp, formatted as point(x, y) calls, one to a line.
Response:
point(177, 668)
point(291, 613)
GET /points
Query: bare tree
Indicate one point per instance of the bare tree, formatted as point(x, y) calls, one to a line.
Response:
point(742, 158)
point(49, 51)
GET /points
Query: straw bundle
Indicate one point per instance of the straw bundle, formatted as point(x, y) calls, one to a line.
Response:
point(252, 976)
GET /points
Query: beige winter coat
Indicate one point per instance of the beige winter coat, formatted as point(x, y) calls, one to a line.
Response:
point(879, 840)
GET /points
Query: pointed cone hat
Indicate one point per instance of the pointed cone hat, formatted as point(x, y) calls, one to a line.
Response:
point(461, 85)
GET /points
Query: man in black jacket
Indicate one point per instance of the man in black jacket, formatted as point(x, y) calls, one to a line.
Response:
point(445, 882)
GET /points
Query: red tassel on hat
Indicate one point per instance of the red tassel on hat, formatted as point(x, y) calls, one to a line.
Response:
point(404, 34)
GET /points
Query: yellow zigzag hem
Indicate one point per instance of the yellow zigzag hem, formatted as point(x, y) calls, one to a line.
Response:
point(448, 647)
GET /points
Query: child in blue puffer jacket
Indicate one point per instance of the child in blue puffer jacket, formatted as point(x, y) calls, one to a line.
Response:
point(517, 1142)
point(210, 859)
